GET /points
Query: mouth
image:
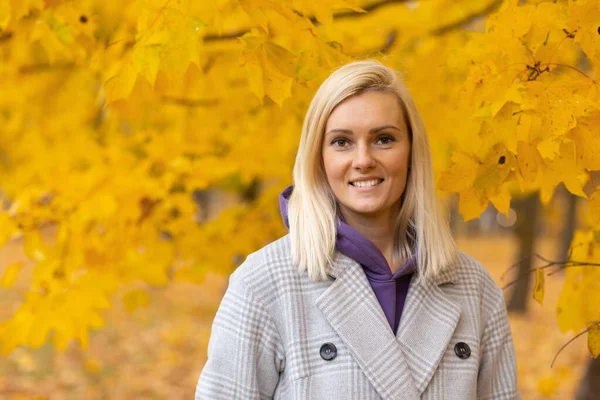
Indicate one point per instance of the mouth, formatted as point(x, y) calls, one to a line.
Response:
point(369, 183)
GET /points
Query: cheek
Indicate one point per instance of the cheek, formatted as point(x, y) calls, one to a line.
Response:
point(334, 168)
point(403, 166)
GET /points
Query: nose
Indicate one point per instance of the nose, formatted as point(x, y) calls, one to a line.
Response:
point(363, 159)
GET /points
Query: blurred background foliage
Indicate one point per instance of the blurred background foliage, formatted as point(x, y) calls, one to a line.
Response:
point(143, 145)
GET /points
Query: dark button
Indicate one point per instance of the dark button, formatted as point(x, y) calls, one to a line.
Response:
point(462, 350)
point(328, 351)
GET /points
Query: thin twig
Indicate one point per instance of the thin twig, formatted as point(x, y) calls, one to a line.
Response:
point(549, 264)
point(572, 339)
point(515, 265)
point(568, 66)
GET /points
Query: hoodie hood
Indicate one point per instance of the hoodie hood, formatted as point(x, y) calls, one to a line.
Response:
point(356, 246)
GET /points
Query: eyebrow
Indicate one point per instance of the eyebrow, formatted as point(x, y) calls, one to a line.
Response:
point(374, 130)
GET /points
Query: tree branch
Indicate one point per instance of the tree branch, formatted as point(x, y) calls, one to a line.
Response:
point(597, 323)
point(5, 36)
point(313, 19)
point(191, 102)
point(37, 68)
point(490, 8)
point(548, 264)
point(367, 9)
point(560, 266)
point(372, 7)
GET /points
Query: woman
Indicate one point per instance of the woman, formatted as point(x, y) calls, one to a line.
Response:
point(367, 296)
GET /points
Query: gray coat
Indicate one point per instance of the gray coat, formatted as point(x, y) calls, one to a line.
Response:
point(271, 327)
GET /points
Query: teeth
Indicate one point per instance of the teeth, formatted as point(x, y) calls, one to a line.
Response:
point(366, 183)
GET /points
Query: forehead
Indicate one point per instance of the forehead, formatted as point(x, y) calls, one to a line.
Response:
point(366, 111)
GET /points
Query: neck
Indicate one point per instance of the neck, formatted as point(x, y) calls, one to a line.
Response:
point(379, 229)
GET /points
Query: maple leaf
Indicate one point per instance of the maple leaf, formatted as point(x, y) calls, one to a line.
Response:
point(480, 180)
point(583, 26)
point(271, 68)
point(586, 138)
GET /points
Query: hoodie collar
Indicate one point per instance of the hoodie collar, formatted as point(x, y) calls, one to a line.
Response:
point(356, 246)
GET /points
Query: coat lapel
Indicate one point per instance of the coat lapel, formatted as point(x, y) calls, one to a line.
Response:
point(402, 364)
point(350, 306)
point(428, 323)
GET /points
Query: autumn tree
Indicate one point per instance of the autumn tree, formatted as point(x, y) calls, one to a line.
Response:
point(113, 115)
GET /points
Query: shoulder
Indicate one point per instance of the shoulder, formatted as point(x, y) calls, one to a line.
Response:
point(267, 269)
point(473, 280)
point(469, 271)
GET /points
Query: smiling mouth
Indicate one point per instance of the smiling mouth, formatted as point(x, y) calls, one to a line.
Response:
point(370, 183)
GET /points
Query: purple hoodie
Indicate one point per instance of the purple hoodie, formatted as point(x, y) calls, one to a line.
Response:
point(390, 289)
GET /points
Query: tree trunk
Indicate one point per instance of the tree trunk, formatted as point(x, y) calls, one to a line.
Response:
point(568, 229)
point(525, 229)
point(589, 388)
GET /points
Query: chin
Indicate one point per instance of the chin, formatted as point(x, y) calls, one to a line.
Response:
point(365, 210)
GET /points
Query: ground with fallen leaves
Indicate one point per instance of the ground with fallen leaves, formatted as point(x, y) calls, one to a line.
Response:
point(158, 351)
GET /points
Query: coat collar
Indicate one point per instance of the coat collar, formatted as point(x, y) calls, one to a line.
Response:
point(404, 363)
point(340, 262)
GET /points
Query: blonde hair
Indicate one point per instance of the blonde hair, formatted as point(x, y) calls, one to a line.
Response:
point(420, 226)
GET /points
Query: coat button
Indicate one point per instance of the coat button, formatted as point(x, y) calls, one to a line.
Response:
point(462, 350)
point(328, 351)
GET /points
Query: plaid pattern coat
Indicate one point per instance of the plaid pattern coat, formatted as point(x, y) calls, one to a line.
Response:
point(271, 324)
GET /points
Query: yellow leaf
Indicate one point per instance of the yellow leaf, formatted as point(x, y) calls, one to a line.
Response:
point(147, 61)
point(549, 148)
point(548, 385)
point(563, 168)
point(279, 66)
point(135, 299)
point(181, 48)
point(23, 7)
point(511, 20)
point(538, 291)
point(120, 86)
point(584, 21)
point(308, 66)
point(61, 30)
point(594, 206)
point(552, 104)
point(34, 246)
point(587, 140)
point(594, 340)
point(255, 80)
point(471, 205)
point(269, 65)
point(93, 365)
point(4, 14)
point(502, 200)
point(528, 159)
point(191, 273)
point(7, 228)
point(460, 175)
point(580, 295)
point(10, 274)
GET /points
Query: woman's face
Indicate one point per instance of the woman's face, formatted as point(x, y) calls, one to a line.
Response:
point(366, 153)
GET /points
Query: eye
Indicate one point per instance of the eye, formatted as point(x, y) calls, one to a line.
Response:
point(385, 139)
point(339, 142)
